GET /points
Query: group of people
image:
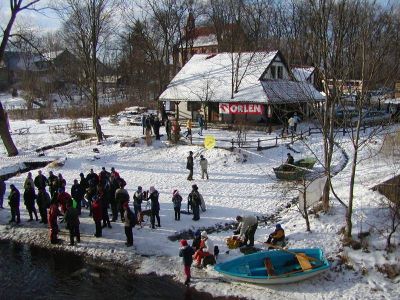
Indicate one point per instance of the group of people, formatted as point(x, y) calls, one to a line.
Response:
point(203, 166)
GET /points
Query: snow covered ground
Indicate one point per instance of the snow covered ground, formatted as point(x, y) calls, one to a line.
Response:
point(241, 182)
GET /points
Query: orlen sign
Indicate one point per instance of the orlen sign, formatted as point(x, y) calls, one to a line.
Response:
point(241, 109)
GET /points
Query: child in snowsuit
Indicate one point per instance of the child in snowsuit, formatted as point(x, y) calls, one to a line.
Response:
point(186, 252)
point(177, 200)
point(203, 167)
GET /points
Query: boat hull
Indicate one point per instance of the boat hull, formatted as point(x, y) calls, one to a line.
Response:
point(252, 269)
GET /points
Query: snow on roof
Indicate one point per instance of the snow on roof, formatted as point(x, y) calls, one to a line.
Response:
point(206, 77)
point(285, 91)
point(392, 101)
point(302, 73)
point(205, 40)
point(52, 54)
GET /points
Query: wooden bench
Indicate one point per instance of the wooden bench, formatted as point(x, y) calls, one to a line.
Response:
point(22, 131)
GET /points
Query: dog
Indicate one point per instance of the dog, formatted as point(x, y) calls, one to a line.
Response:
point(140, 218)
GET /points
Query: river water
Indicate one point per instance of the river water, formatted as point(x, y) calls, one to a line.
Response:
point(27, 272)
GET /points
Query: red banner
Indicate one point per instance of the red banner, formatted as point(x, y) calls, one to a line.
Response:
point(241, 109)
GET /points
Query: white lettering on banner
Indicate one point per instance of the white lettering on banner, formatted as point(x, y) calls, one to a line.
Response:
point(241, 108)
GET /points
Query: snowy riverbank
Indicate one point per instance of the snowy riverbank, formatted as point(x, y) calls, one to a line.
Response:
point(240, 183)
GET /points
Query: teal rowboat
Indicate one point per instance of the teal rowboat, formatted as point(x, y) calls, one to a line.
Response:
point(275, 266)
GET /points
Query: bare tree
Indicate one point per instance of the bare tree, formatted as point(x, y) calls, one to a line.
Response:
point(87, 25)
point(16, 6)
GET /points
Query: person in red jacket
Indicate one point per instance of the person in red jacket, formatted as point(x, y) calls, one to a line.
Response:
point(63, 198)
point(97, 215)
point(54, 212)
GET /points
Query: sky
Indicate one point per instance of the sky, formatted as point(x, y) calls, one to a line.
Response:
point(45, 20)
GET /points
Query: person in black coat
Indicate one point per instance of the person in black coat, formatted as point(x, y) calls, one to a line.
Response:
point(84, 185)
point(189, 165)
point(71, 217)
point(103, 196)
point(121, 196)
point(92, 179)
point(52, 182)
point(194, 199)
point(2, 192)
point(43, 202)
point(156, 126)
point(155, 207)
point(40, 181)
point(13, 201)
point(78, 193)
point(186, 252)
point(29, 201)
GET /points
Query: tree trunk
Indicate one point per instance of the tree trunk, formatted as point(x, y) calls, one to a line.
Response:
point(5, 133)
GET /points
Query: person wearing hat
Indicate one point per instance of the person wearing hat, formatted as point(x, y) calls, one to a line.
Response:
point(203, 166)
point(186, 252)
point(277, 237)
point(177, 201)
point(196, 240)
point(138, 198)
point(13, 201)
point(206, 249)
point(290, 159)
point(155, 207)
point(189, 165)
point(194, 200)
point(247, 228)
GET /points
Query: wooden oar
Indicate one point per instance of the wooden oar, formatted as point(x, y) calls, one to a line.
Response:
point(303, 255)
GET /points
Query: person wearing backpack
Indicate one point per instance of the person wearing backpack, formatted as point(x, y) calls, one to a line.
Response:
point(177, 200)
point(129, 223)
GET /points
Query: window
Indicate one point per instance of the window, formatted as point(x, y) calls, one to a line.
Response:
point(193, 106)
point(280, 72)
point(273, 72)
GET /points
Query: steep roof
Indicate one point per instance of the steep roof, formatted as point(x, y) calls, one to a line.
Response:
point(210, 77)
point(302, 73)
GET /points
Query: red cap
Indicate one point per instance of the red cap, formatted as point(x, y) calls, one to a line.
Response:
point(184, 243)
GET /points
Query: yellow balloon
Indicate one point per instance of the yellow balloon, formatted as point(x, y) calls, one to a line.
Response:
point(209, 142)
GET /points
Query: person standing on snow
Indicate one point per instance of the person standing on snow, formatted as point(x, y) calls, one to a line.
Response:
point(43, 202)
point(177, 201)
point(168, 128)
point(189, 165)
point(14, 200)
point(78, 193)
point(29, 200)
point(247, 228)
point(138, 198)
point(40, 181)
point(189, 126)
point(97, 216)
point(143, 121)
point(186, 252)
point(54, 212)
point(71, 217)
point(155, 207)
point(29, 180)
point(129, 223)
point(194, 199)
point(203, 167)
point(121, 196)
point(2, 192)
point(201, 124)
point(156, 127)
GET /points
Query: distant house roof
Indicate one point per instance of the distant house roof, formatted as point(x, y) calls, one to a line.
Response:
point(302, 73)
point(209, 78)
